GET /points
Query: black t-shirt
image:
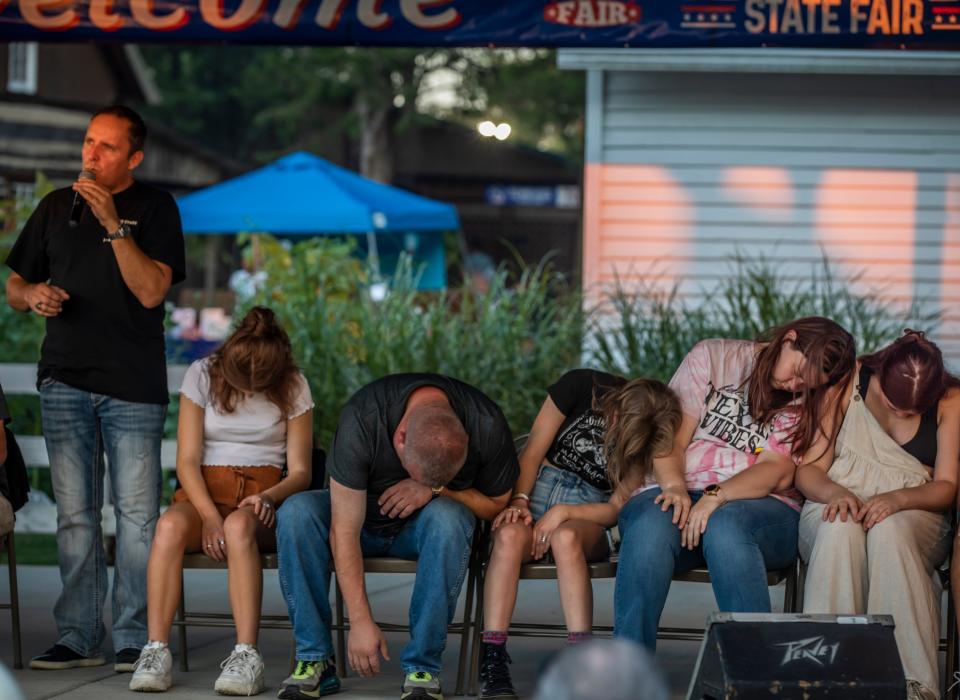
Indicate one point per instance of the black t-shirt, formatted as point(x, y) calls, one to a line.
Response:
point(362, 455)
point(104, 341)
point(578, 445)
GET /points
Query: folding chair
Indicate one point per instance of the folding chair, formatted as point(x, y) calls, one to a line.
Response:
point(392, 565)
point(14, 605)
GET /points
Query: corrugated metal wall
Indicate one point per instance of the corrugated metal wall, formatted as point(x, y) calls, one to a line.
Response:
point(686, 169)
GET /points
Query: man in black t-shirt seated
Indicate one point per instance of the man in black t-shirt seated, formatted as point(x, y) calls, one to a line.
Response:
point(416, 458)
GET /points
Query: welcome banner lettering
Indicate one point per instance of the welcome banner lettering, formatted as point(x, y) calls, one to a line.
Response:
point(555, 23)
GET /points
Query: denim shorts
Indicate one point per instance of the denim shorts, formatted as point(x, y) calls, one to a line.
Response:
point(558, 486)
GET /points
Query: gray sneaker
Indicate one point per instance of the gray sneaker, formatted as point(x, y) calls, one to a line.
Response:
point(242, 672)
point(421, 685)
point(152, 673)
point(310, 679)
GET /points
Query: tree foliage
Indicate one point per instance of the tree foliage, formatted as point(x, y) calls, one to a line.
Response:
point(255, 103)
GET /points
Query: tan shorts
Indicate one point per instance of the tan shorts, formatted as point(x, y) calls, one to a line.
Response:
point(228, 486)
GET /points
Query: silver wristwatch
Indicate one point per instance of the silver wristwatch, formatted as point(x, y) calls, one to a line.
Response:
point(122, 232)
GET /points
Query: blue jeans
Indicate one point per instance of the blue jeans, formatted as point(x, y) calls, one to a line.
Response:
point(555, 486)
point(438, 537)
point(78, 427)
point(743, 540)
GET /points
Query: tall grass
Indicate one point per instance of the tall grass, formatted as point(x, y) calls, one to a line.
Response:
point(643, 331)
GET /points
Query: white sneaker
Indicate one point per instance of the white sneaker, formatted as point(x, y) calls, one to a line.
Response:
point(152, 673)
point(242, 672)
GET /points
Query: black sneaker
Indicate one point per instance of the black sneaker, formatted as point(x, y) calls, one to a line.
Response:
point(494, 674)
point(125, 660)
point(59, 657)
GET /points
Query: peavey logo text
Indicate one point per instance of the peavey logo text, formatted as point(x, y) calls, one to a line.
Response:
point(814, 649)
point(592, 13)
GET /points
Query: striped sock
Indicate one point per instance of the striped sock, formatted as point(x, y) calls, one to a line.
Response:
point(494, 637)
point(579, 637)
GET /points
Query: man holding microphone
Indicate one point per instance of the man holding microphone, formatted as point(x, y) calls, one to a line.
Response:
point(96, 259)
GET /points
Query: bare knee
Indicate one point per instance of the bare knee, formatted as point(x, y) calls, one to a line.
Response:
point(172, 531)
point(511, 540)
point(240, 528)
point(566, 543)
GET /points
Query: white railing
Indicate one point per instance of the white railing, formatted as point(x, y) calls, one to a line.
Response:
point(20, 379)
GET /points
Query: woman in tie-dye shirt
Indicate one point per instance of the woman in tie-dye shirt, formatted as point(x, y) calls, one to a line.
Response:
point(724, 497)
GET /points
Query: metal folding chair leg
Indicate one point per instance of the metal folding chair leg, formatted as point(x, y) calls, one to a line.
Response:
point(182, 628)
point(790, 590)
point(468, 618)
point(14, 604)
point(950, 660)
point(474, 670)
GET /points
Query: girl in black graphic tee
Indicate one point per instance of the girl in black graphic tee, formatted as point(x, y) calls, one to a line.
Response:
point(592, 443)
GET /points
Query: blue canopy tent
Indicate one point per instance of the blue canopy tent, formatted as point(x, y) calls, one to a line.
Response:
point(302, 194)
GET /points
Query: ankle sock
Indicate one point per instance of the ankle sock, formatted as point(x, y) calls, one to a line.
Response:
point(579, 637)
point(154, 644)
point(494, 637)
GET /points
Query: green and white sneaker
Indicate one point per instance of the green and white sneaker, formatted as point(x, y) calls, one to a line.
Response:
point(421, 685)
point(310, 679)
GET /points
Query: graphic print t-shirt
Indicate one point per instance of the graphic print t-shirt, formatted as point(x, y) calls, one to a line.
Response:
point(578, 445)
point(711, 384)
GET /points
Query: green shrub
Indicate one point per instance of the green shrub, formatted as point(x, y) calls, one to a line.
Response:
point(512, 341)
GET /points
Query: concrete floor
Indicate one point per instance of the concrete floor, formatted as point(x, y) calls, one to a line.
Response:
point(688, 605)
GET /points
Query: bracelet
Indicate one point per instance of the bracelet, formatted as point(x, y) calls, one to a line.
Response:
point(520, 494)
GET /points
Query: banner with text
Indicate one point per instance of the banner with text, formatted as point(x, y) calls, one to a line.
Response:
point(554, 23)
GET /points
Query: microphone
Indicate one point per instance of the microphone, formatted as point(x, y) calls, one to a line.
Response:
point(76, 211)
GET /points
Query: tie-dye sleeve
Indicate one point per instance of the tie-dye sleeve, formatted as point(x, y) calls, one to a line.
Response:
point(780, 438)
point(692, 379)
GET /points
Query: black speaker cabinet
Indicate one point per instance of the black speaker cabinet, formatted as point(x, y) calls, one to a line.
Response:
point(795, 656)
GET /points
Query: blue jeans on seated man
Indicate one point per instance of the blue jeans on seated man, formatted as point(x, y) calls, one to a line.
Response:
point(438, 537)
point(78, 427)
point(743, 540)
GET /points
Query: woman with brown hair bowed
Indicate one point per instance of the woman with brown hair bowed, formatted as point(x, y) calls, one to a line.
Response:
point(245, 413)
point(592, 443)
point(751, 410)
point(875, 523)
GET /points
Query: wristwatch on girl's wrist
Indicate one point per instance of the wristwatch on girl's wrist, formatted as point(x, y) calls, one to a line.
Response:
point(715, 491)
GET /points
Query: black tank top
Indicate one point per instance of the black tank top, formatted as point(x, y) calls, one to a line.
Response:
point(923, 445)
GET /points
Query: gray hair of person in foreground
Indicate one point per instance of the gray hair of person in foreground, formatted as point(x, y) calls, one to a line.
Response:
point(624, 670)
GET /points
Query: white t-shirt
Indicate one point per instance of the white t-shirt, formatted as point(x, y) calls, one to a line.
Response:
point(254, 435)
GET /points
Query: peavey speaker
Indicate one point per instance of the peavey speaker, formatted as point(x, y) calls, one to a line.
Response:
point(788, 656)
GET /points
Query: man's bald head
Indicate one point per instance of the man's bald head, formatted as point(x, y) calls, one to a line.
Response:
point(435, 448)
